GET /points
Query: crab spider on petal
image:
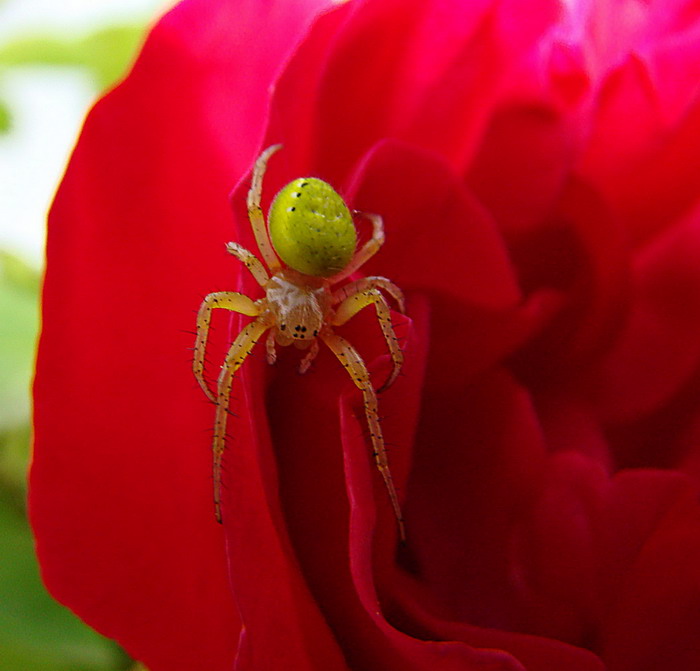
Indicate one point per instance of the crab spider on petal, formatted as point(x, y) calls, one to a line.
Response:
point(309, 246)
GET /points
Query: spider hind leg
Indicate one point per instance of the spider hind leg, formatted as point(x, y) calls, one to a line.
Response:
point(240, 349)
point(351, 360)
point(356, 302)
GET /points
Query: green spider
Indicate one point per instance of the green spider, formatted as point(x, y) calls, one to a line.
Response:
point(312, 231)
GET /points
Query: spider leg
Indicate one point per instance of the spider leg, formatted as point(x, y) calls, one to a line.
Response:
point(369, 249)
point(240, 349)
point(353, 304)
point(229, 300)
point(255, 212)
point(257, 270)
point(310, 356)
point(351, 360)
point(270, 348)
point(372, 282)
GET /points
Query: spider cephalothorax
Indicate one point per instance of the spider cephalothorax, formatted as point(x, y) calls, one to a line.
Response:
point(312, 230)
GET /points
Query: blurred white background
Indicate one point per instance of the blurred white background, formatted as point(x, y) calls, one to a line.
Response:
point(56, 57)
point(47, 105)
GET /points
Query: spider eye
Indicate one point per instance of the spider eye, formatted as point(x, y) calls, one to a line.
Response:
point(311, 228)
point(283, 327)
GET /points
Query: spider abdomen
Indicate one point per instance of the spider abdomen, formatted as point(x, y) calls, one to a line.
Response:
point(311, 228)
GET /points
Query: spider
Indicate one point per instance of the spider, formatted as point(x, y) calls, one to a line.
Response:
point(312, 231)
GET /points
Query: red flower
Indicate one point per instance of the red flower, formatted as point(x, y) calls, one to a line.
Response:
point(536, 167)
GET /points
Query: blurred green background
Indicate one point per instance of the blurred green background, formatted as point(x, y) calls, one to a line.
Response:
point(56, 56)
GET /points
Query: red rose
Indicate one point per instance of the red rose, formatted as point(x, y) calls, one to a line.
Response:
point(536, 165)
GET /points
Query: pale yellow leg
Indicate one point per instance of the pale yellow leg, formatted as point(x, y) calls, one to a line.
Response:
point(229, 300)
point(368, 250)
point(348, 356)
point(353, 304)
point(257, 270)
point(372, 282)
point(255, 212)
point(241, 348)
point(310, 356)
point(270, 348)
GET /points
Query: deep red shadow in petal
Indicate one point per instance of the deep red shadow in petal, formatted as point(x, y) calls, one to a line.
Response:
point(657, 351)
point(374, 545)
point(582, 254)
point(307, 438)
point(653, 551)
point(283, 625)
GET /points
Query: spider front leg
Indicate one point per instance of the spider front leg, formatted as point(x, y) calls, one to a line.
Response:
point(240, 349)
point(351, 360)
point(228, 300)
point(250, 261)
point(255, 213)
point(353, 304)
point(367, 251)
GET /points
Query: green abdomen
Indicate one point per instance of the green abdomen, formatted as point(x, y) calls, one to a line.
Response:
point(311, 228)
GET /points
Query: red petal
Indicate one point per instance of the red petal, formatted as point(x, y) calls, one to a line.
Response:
point(658, 351)
point(582, 254)
point(558, 553)
point(652, 621)
point(645, 169)
point(120, 484)
point(469, 487)
point(428, 73)
point(525, 153)
point(614, 561)
point(442, 241)
point(283, 626)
